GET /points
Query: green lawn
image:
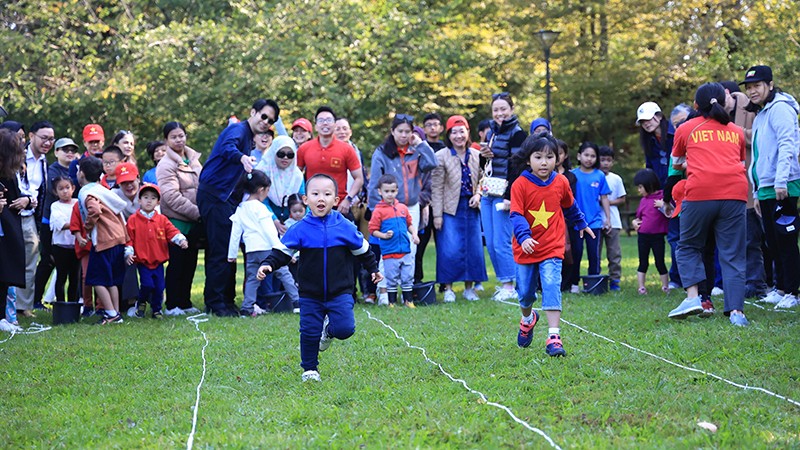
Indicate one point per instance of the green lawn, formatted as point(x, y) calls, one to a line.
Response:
point(134, 385)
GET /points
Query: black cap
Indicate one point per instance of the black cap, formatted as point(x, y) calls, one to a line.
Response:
point(757, 73)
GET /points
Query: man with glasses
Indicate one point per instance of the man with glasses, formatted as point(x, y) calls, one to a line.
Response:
point(66, 151)
point(330, 156)
point(93, 139)
point(33, 183)
point(218, 195)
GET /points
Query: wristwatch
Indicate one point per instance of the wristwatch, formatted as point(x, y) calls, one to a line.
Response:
point(349, 198)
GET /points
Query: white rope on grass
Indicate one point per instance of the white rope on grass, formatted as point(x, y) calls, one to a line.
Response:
point(770, 309)
point(34, 328)
point(197, 320)
point(661, 358)
point(464, 383)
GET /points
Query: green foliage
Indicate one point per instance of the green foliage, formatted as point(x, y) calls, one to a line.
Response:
point(136, 65)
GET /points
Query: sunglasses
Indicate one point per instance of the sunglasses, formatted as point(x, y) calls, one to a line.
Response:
point(69, 149)
point(501, 95)
point(404, 118)
point(267, 118)
point(282, 154)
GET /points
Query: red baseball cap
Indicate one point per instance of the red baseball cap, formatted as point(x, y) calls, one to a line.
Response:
point(126, 172)
point(304, 124)
point(678, 194)
point(150, 187)
point(93, 132)
point(455, 121)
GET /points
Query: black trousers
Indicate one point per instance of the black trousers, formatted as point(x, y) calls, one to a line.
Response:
point(180, 271)
point(220, 287)
point(654, 242)
point(424, 238)
point(783, 246)
point(46, 263)
point(68, 268)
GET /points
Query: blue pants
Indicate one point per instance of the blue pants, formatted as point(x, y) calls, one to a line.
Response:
point(497, 231)
point(151, 286)
point(592, 251)
point(673, 236)
point(342, 325)
point(549, 272)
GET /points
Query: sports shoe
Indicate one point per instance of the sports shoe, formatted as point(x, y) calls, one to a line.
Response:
point(708, 308)
point(575, 289)
point(503, 294)
point(87, 312)
point(688, 307)
point(554, 347)
point(772, 297)
point(107, 320)
point(369, 299)
point(525, 335)
point(259, 310)
point(716, 292)
point(449, 296)
point(311, 375)
point(175, 312)
point(788, 301)
point(191, 310)
point(296, 307)
point(326, 339)
point(9, 327)
point(470, 295)
point(614, 286)
point(383, 299)
point(139, 310)
point(674, 285)
point(478, 287)
point(157, 315)
point(409, 305)
point(739, 320)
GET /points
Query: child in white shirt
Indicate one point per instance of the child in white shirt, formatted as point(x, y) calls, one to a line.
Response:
point(67, 263)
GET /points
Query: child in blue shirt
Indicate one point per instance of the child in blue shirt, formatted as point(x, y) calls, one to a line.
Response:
point(591, 195)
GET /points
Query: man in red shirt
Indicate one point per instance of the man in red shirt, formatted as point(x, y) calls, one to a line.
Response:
point(330, 156)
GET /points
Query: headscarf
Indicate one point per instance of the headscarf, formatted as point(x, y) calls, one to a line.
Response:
point(285, 182)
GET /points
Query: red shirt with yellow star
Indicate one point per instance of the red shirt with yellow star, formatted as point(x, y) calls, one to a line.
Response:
point(536, 212)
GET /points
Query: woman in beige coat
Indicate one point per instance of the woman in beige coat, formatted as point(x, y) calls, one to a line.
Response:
point(456, 205)
point(178, 175)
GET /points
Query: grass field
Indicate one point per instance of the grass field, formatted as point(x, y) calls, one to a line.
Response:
point(134, 385)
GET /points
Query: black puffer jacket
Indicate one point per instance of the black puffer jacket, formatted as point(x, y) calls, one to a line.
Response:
point(506, 140)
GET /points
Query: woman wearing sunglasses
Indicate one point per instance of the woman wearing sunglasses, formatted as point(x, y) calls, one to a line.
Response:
point(280, 164)
point(178, 175)
point(504, 138)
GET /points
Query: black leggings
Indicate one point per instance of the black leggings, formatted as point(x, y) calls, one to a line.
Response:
point(68, 266)
point(653, 242)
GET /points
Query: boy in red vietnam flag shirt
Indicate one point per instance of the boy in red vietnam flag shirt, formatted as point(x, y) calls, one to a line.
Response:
point(537, 199)
point(150, 233)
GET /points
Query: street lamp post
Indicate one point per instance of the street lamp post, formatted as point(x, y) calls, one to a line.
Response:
point(547, 38)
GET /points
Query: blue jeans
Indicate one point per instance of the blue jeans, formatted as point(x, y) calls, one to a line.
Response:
point(549, 272)
point(342, 325)
point(673, 236)
point(497, 231)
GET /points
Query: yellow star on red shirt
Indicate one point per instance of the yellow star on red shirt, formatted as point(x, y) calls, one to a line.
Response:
point(541, 216)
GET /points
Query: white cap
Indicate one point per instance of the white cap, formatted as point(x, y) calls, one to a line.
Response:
point(646, 111)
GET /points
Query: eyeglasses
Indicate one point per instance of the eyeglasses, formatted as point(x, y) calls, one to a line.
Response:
point(282, 154)
point(501, 95)
point(267, 118)
point(110, 163)
point(404, 118)
point(50, 139)
point(326, 120)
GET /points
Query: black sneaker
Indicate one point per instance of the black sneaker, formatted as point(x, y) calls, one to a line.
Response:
point(157, 315)
point(141, 307)
point(107, 320)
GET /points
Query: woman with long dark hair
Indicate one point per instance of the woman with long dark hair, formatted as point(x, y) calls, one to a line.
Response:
point(655, 139)
point(713, 150)
point(12, 273)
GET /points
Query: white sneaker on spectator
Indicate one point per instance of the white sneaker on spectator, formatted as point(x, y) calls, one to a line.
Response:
point(449, 296)
point(311, 375)
point(9, 327)
point(503, 294)
point(174, 312)
point(788, 301)
point(383, 299)
point(717, 292)
point(191, 310)
point(131, 312)
point(258, 310)
point(470, 295)
point(575, 289)
point(772, 297)
point(478, 287)
point(673, 285)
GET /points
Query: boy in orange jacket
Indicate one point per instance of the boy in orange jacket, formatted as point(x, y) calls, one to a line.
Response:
point(150, 233)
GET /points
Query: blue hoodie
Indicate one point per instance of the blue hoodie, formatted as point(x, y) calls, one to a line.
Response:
point(223, 170)
point(776, 143)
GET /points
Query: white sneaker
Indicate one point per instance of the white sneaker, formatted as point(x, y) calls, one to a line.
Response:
point(470, 295)
point(449, 296)
point(326, 339)
point(258, 311)
point(478, 287)
point(788, 301)
point(311, 375)
point(9, 327)
point(174, 312)
point(503, 294)
point(673, 285)
point(383, 299)
point(772, 297)
point(191, 311)
point(716, 292)
point(131, 312)
point(575, 289)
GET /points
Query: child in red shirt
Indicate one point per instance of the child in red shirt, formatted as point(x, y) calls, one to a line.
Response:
point(150, 233)
point(537, 199)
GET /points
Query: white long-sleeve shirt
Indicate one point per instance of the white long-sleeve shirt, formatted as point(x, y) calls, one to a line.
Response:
point(252, 223)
